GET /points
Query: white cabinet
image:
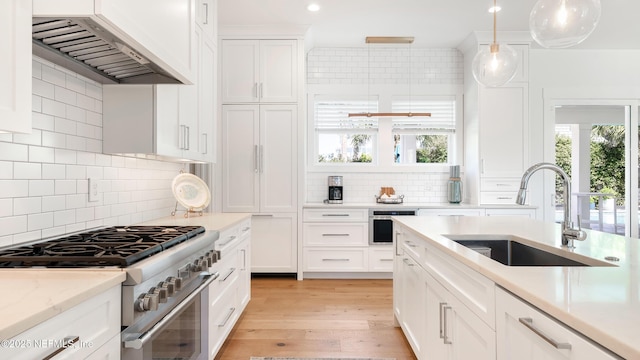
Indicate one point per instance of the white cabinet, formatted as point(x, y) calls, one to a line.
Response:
point(259, 71)
point(15, 66)
point(274, 247)
point(260, 158)
point(503, 113)
point(336, 241)
point(445, 310)
point(207, 19)
point(526, 212)
point(94, 322)
point(229, 295)
point(451, 212)
point(525, 333)
point(454, 331)
point(172, 121)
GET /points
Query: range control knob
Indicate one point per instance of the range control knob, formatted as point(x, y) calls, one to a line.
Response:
point(176, 282)
point(162, 294)
point(197, 265)
point(146, 302)
point(210, 258)
point(167, 287)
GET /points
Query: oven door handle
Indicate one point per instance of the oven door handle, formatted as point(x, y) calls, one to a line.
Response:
point(140, 341)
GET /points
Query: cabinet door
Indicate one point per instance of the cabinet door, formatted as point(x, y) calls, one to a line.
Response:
point(240, 75)
point(525, 333)
point(413, 304)
point(278, 158)
point(207, 100)
point(15, 66)
point(436, 298)
point(244, 264)
point(189, 107)
point(278, 71)
point(240, 137)
point(273, 243)
point(503, 127)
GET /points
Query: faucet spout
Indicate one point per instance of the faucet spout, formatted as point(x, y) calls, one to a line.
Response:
point(569, 233)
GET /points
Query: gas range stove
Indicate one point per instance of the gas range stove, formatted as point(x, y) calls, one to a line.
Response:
point(119, 246)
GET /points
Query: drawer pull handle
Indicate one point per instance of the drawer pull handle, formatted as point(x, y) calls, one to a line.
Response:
point(410, 244)
point(446, 339)
point(406, 261)
point(505, 197)
point(335, 234)
point(386, 259)
point(231, 238)
point(231, 311)
point(335, 260)
point(335, 214)
point(69, 340)
point(440, 317)
point(229, 274)
point(528, 322)
point(502, 185)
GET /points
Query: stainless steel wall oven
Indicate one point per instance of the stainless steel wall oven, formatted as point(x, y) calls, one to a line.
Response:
point(381, 225)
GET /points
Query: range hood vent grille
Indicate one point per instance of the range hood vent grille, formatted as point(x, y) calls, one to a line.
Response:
point(82, 46)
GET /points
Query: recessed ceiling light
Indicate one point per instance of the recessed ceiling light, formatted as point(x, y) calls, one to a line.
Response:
point(313, 7)
point(494, 9)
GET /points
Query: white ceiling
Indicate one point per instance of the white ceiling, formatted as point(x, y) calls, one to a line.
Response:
point(433, 23)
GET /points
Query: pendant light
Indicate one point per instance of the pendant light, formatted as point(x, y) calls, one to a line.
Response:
point(563, 23)
point(495, 65)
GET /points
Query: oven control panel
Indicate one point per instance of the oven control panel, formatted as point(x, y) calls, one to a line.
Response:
point(171, 286)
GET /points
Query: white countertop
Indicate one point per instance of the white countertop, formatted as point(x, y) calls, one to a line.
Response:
point(31, 296)
point(210, 221)
point(373, 204)
point(603, 303)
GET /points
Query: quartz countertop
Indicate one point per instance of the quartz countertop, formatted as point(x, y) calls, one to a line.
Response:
point(31, 296)
point(210, 221)
point(601, 302)
point(411, 205)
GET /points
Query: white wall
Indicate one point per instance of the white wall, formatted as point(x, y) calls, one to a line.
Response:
point(43, 175)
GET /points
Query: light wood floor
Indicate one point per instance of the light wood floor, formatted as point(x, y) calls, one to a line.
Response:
point(317, 318)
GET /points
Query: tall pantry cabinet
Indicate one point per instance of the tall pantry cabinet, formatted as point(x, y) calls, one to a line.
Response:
point(261, 98)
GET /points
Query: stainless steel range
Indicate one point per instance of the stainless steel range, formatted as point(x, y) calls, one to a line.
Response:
point(163, 298)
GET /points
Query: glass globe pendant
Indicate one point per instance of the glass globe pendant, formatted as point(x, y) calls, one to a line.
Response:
point(563, 23)
point(495, 65)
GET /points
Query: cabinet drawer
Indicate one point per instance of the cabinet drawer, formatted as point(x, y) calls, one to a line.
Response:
point(524, 332)
point(381, 258)
point(501, 198)
point(336, 215)
point(94, 322)
point(335, 259)
point(500, 184)
point(472, 289)
point(223, 314)
point(337, 234)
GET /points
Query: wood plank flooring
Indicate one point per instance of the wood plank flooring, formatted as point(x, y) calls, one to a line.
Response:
point(317, 318)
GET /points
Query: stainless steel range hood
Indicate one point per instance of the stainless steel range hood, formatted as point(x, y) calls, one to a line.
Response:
point(83, 46)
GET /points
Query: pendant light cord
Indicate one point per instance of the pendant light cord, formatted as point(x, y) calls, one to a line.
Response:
point(495, 21)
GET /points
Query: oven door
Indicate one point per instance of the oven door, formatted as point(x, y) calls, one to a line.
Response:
point(181, 334)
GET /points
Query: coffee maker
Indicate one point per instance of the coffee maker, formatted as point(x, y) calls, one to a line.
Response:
point(335, 190)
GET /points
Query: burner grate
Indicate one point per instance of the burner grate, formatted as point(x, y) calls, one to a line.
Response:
point(114, 246)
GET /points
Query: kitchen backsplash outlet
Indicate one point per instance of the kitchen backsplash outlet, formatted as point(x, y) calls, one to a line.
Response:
point(44, 175)
point(362, 187)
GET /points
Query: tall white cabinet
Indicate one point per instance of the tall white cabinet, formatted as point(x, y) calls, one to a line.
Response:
point(15, 66)
point(261, 85)
point(496, 128)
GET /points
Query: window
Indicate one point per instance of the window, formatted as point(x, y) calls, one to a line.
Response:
point(343, 139)
point(424, 140)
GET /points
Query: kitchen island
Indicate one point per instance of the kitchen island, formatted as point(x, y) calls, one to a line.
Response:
point(600, 302)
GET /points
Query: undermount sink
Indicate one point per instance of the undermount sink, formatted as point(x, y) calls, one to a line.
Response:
point(513, 253)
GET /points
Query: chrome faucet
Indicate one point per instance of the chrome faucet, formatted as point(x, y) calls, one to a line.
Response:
point(569, 234)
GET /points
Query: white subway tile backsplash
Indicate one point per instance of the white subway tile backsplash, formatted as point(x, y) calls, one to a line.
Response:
point(54, 203)
point(40, 221)
point(24, 170)
point(43, 175)
point(14, 188)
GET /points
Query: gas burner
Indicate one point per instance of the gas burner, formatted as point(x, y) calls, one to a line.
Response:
point(113, 246)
